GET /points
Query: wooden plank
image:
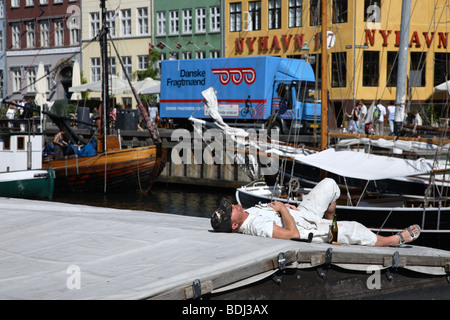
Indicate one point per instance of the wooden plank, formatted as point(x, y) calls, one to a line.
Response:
point(369, 258)
point(238, 273)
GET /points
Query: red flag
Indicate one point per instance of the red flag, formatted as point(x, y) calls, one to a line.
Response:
point(189, 42)
point(150, 48)
point(179, 46)
point(161, 45)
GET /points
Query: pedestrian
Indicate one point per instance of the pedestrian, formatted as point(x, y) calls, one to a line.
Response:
point(284, 221)
point(362, 117)
point(354, 119)
point(153, 112)
point(391, 116)
point(379, 120)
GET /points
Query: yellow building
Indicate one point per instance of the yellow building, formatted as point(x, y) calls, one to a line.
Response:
point(364, 43)
point(130, 29)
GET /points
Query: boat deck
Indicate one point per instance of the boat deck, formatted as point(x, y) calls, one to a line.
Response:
point(52, 250)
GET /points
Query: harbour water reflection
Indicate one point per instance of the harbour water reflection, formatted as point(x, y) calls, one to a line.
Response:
point(173, 199)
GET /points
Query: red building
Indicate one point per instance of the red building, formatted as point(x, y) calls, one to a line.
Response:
point(46, 31)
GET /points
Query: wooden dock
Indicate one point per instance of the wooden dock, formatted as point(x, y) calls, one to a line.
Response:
point(51, 250)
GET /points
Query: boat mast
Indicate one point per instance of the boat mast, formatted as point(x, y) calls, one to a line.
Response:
point(105, 77)
point(324, 96)
point(402, 66)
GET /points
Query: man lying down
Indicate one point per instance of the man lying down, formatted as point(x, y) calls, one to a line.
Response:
point(313, 215)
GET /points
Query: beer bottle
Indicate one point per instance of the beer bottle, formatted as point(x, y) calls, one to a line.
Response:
point(334, 230)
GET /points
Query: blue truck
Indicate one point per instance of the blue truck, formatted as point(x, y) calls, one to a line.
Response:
point(278, 92)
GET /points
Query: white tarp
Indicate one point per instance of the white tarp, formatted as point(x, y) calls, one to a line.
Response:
point(422, 148)
point(366, 166)
point(117, 86)
point(52, 250)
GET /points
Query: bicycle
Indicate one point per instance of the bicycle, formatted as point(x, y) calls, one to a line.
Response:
point(248, 107)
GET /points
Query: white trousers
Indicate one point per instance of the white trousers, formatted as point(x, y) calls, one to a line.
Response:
point(317, 202)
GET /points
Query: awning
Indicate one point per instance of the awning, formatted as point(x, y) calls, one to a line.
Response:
point(366, 166)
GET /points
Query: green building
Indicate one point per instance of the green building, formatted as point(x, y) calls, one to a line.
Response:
point(187, 29)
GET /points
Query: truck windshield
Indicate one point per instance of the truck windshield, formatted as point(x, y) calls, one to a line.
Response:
point(306, 91)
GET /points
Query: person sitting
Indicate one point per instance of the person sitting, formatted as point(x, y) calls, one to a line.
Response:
point(284, 221)
point(61, 146)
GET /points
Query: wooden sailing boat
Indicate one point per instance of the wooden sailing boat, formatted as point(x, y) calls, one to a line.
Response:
point(112, 168)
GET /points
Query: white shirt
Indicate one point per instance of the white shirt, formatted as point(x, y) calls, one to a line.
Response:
point(391, 113)
point(10, 113)
point(261, 219)
point(383, 112)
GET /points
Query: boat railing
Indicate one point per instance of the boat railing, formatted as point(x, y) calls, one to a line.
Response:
point(20, 125)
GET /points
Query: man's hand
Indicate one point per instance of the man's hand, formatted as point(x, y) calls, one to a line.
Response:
point(290, 229)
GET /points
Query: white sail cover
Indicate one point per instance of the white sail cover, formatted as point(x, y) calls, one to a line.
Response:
point(366, 166)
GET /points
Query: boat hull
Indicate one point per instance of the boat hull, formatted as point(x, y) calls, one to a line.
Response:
point(118, 170)
point(384, 217)
point(30, 184)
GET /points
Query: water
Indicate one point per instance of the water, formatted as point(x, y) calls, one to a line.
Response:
point(172, 199)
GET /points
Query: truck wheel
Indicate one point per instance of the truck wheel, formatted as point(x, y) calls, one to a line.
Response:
point(276, 126)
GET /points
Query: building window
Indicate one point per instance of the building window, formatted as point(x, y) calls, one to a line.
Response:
point(214, 54)
point(29, 3)
point(315, 17)
point(31, 80)
point(95, 23)
point(235, 17)
point(371, 67)
point(200, 55)
point(441, 67)
point(142, 21)
point(95, 69)
point(214, 19)
point(200, 18)
point(142, 63)
point(30, 35)
point(15, 35)
point(173, 22)
point(254, 18)
point(126, 22)
point(44, 2)
point(112, 66)
point(17, 79)
point(187, 21)
point(127, 66)
point(44, 33)
point(295, 13)
point(59, 32)
point(274, 14)
point(74, 36)
point(161, 23)
point(340, 11)
point(339, 70)
point(15, 3)
point(417, 69)
point(392, 67)
point(111, 23)
point(187, 55)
